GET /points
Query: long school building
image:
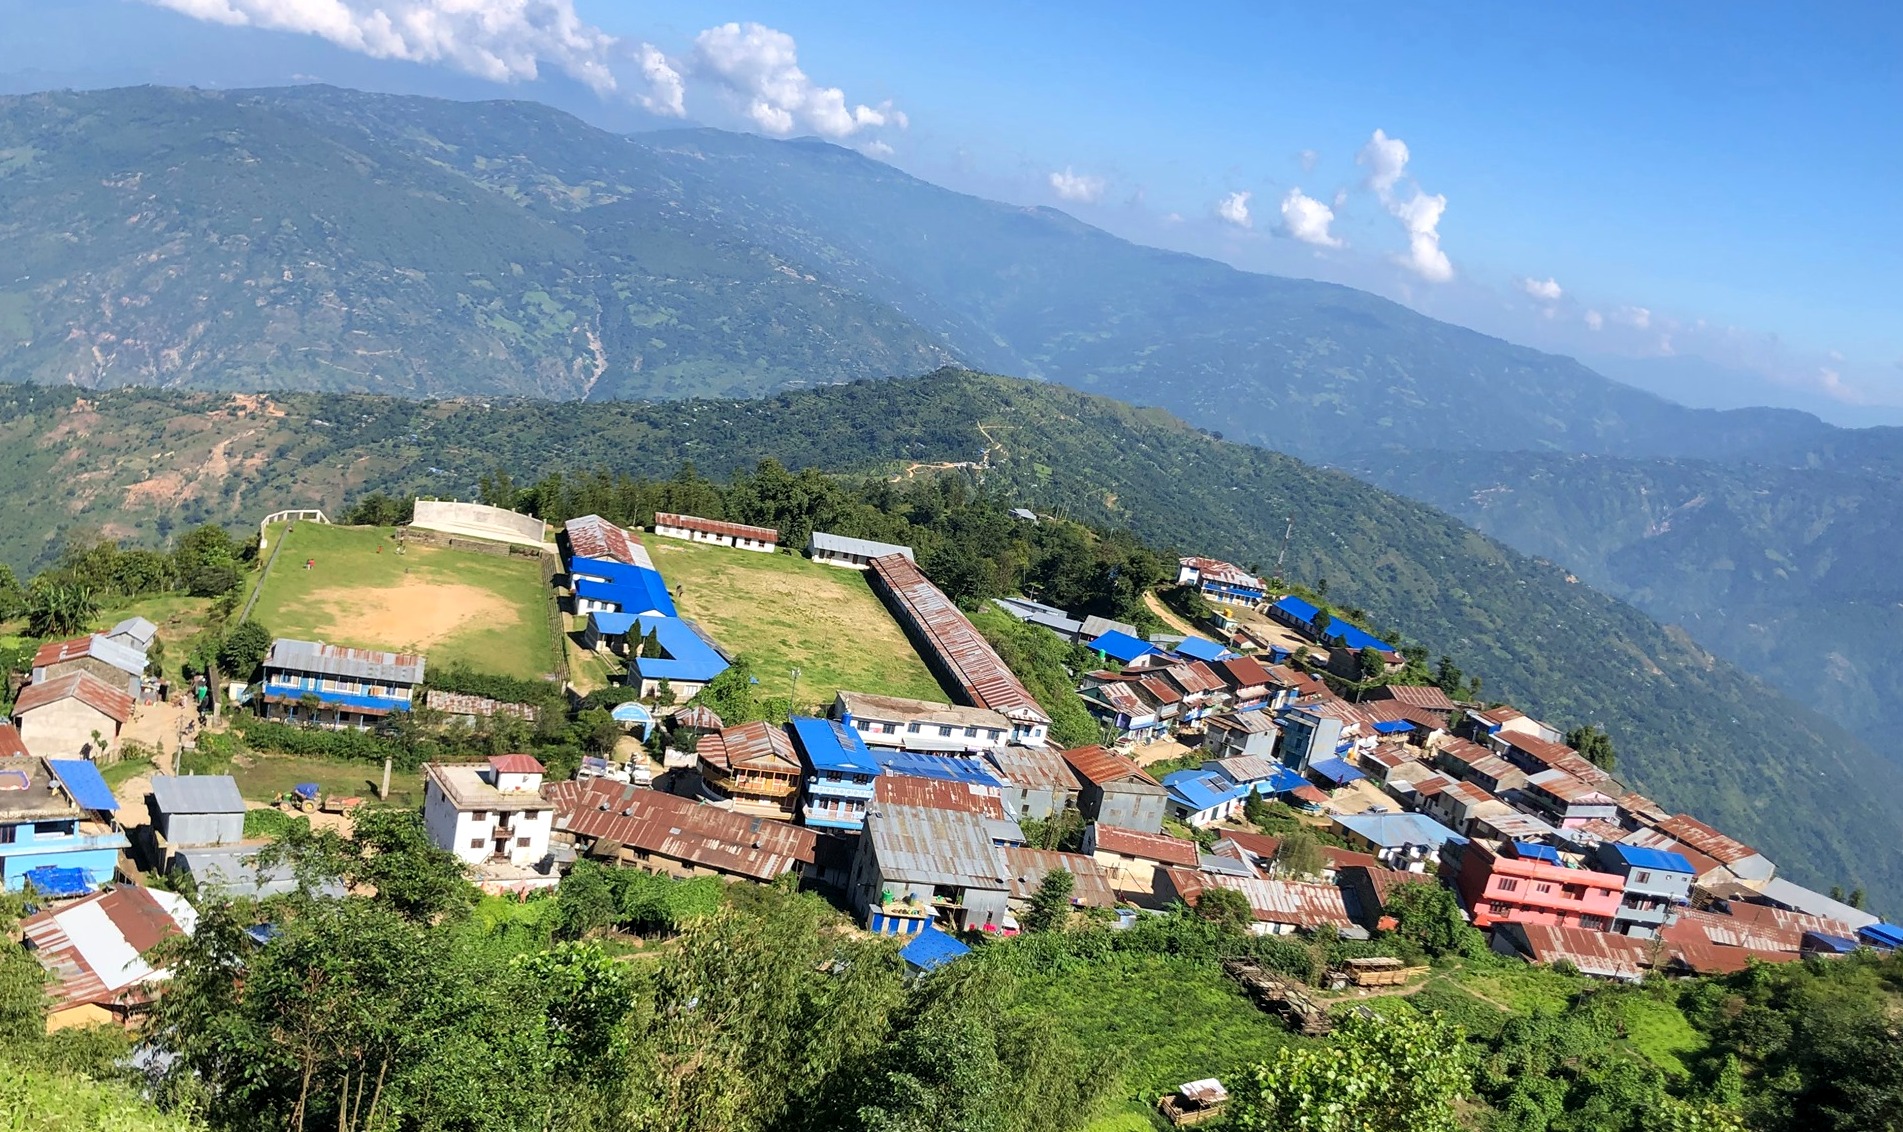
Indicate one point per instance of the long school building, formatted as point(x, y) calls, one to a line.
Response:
point(954, 649)
point(337, 687)
point(719, 532)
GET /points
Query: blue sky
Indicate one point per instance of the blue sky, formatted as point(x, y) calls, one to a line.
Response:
point(1692, 179)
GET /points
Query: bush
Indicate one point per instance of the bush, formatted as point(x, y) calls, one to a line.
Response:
point(466, 681)
point(353, 746)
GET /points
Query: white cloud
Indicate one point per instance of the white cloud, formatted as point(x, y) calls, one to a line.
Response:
point(1419, 214)
point(1386, 159)
point(667, 94)
point(501, 40)
point(759, 67)
point(877, 148)
point(1307, 219)
point(1308, 158)
point(1595, 320)
point(1234, 209)
point(1546, 290)
point(1081, 187)
point(1637, 317)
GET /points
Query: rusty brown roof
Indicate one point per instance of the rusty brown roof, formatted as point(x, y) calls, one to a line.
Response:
point(1427, 696)
point(1688, 830)
point(1555, 756)
point(82, 686)
point(1194, 677)
point(715, 526)
point(1293, 902)
point(1243, 672)
point(103, 926)
point(681, 830)
point(754, 746)
point(1028, 866)
point(591, 536)
point(1159, 847)
point(1101, 766)
point(938, 794)
point(979, 672)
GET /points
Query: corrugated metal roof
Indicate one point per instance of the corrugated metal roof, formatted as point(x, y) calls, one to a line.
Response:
point(1159, 847)
point(1646, 857)
point(1719, 847)
point(1427, 696)
point(937, 794)
point(681, 830)
point(898, 709)
point(690, 658)
point(950, 768)
point(1603, 955)
point(1102, 766)
point(197, 794)
point(1806, 901)
point(1032, 767)
point(1568, 788)
point(1121, 646)
point(962, 651)
point(591, 536)
point(337, 660)
point(751, 746)
point(93, 948)
point(116, 653)
point(84, 782)
point(828, 744)
point(461, 703)
point(715, 527)
point(1220, 572)
point(1352, 636)
point(914, 845)
point(1196, 648)
point(1392, 831)
point(1201, 790)
point(846, 544)
point(82, 686)
point(1273, 901)
point(1091, 885)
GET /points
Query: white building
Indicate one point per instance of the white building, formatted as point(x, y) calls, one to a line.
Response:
point(921, 725)
point(693, 528)
point(852, 553)
point(489, 812)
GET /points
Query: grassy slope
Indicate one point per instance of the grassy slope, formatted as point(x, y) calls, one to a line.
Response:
point(353, 591)
point(781, 611)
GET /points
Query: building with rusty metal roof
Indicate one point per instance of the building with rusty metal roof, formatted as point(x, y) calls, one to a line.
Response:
point(77, 714)
point(338, 687)
point(946, 862)
point(1116, 791)
point(592, 536)
point(718, 532)
point(662, 833)
point(1279, 907)
point(94, 950)
point(954, 649)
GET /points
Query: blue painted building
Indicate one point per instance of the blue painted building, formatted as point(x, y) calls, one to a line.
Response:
point(687, 661)
point(1195, 648)
point(1121, 647)
point(1299, 615)
point(1204, 797)
point(602, 585)
point(839, 774)
point(1220, 581)
point(337, 687)
point(56, 814)
point(1656, 882)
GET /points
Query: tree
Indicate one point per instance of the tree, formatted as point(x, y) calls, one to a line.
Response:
point(498, 489)
point(1225, 907)
point(1050, 904)
point(392, 851)
point(243, 649)
point(1371, 662)
point(206, 561)
point(59, 609)
point(1447, 676)
point(1299, 855)
point(1428, 916)
point(1594, 745)
point(12, 594)
point(1399, 1072)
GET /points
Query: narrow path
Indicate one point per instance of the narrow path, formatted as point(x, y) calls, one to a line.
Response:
point(1171, 618)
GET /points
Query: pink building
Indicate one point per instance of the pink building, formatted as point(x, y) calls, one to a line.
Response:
point(1527, 884)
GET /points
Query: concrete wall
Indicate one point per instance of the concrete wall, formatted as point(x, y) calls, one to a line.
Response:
point(1126, 805)
point(480, 520)
point(64, 730)
point(185, 830)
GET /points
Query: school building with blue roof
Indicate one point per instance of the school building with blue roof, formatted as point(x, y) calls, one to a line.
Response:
point(687, 663)
point(1299, 615)
point(1121, 647)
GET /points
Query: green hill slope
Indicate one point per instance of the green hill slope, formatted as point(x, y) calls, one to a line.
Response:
point(1691, 729)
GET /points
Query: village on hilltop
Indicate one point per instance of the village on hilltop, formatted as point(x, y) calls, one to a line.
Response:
point(940, 819)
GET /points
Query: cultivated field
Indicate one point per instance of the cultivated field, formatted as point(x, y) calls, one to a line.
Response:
point(486, 611)
point(782, 612)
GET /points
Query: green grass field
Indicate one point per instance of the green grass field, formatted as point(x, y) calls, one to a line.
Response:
point(782, 612)
point(489, 612)
point(268, 777)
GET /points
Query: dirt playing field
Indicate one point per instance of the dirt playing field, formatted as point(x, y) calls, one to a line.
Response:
point(363, 589)
point(783, 612)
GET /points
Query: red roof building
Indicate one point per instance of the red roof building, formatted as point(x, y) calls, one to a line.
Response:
point(664, 833)
point(1501, 888)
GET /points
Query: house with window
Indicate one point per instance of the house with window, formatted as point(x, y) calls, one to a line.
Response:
point(839, 774)
point(95, 953)
point(1657, 882)
point(1220, 581)
point(1202, 690)
point(1203, 798)
point(921, 725)
point(1132, 857)
point(1250, 734)
point(752, 768)
point(76, 714)
point(1256, 774)
point(1517, 882)
point(679, 657)
point(718, 532)
point(1277, 907)
point(1457, 805)
point(918, 866)
point(1122, 705)
point(1535, 755)
point(633, 826)
point(1115, 791)
point(593, 537)
point(112, 660)
point(851, 553)
point(57, 815)
point(1311, 734)
point(1409, 842)
point(337, 687)
point(606, 586)
point(1034, 782)
point(135, 633)
point(1568, 802)
point(489, 812)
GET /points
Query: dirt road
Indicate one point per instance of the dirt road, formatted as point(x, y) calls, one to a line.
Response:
point(1171, 618)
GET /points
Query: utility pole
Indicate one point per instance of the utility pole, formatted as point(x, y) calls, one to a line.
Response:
point(794, 699)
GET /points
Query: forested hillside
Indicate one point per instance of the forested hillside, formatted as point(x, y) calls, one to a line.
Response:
point(315, 238)
point(1690, 728)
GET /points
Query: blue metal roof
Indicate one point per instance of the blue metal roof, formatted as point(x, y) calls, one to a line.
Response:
point(1661, 860)
point(292, 693)
point(1195, 648)
point(1118, 645)
point(640, 591)
point(56, 881)
point(1337, 771)
point(82, 780)
point(1202, 789)
point(830, 745)
point(1534, 851)
point(1887, 936)
point(689, 658)
point(611, 624)
point(931, 949)
point(1823, 941)
point(1392, 831)
point(948, 768)
point(1355, 638)
point(1392, 726)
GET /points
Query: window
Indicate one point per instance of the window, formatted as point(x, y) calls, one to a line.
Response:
point(522, 842)
point(50, 827)
point(862, 725)
point(911, 729)
point(1542, 888)
point(475, 843)
point(1508, 884)
point(1641, 877)
point(971, 732)
point(8, 833)
point(1499, 907)
point(479, 816)
point(944, 732)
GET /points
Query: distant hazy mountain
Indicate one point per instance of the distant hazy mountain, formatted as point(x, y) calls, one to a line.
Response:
point(1705, 384)
point(316, 238)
